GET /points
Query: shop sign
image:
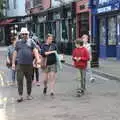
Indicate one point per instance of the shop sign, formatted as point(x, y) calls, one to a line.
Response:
point(41, 19)
point(104, 9)
point(101, 2)
point(56, 16)
point(109, 8)
point(26, 19)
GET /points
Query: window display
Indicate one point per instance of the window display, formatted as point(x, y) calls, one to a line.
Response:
point(112, 31)
point(102, 32)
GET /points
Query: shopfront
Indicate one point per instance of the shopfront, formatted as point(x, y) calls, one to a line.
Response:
point(83, 18)
point(108, 28)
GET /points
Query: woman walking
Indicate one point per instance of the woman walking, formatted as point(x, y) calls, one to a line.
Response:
point(48, 50)
point(10, 51)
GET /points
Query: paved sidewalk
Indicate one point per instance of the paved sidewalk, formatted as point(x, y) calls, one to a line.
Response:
point(109, 68)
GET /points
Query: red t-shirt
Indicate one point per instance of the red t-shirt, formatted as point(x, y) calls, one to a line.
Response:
point(83, 53)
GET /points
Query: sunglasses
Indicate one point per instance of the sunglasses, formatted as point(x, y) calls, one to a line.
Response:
point(24, 34)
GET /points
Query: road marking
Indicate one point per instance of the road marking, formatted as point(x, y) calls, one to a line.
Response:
point(100, 77)
point(3, 100)
point(1, 78)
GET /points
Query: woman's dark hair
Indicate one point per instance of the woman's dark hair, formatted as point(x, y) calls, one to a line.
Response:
point(13, 38)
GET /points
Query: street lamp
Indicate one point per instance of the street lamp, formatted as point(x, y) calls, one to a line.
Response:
point(14, 30)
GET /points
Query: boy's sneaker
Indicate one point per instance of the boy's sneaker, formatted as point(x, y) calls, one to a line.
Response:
point(29, 97)
point(92, 80)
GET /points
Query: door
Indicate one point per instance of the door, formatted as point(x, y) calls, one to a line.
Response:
point(112, 37)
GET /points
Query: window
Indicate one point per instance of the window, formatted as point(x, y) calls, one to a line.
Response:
point(7, 4)
point(112, 31)
point(14, 4)
point(83, 24)
point(102, 32)
point(37, 2)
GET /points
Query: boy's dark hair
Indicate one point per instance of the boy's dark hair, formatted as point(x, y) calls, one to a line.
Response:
point(79, 42)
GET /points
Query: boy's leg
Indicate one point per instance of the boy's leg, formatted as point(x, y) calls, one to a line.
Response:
point(83, 79)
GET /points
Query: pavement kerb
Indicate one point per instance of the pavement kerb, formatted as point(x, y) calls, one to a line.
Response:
point(100, 73)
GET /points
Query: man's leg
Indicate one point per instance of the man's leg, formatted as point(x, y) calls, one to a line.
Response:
point(28, 74)
point(20, 76)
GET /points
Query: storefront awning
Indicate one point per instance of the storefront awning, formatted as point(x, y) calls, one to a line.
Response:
point(6, 22)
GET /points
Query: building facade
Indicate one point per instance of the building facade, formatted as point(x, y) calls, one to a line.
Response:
point(15, 8)
point(83, 18)
point(106, 27)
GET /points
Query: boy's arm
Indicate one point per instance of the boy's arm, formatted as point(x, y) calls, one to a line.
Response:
point(73, 55)
point(86, 56)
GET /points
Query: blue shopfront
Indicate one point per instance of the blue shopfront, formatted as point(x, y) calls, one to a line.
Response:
point(106, 27)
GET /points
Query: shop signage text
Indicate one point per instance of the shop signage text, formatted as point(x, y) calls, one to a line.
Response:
point(109, 8)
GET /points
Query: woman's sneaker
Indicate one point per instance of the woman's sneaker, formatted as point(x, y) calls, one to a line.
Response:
point(45, 90)
point(38, 83)
point(29, 97)
point(52, 94)
point(20, 99)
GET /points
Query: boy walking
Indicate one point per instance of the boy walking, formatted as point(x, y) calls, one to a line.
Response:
point(80, 57)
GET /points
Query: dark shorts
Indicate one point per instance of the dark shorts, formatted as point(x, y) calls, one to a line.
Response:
point(50, 68)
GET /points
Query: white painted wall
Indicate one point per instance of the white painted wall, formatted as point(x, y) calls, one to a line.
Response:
point(20, 8)
point(56, 3)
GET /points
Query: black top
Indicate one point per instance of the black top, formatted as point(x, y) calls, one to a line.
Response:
point(51, 58)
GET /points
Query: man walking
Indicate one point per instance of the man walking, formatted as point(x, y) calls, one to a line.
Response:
point(24, 50)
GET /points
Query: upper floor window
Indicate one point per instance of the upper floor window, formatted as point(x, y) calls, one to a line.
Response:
point(7, 4)
point(14, 4)
point(37, 2)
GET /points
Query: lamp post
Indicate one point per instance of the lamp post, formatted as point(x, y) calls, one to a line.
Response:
point(14, 30)
point(94, 39)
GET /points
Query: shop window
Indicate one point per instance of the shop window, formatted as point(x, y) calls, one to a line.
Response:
point(83, 24)
point(64, 30)
point(41, 33)
point(15, 4)
point(118, 28)
point(112, 31)
point(102, 32)
point(8, 5)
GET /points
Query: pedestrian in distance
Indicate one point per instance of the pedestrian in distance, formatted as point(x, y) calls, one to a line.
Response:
point(24, 50)
point(48, 50)
point(80, 57)
point(35, 66)
point(87, 45)
point(10, 51)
